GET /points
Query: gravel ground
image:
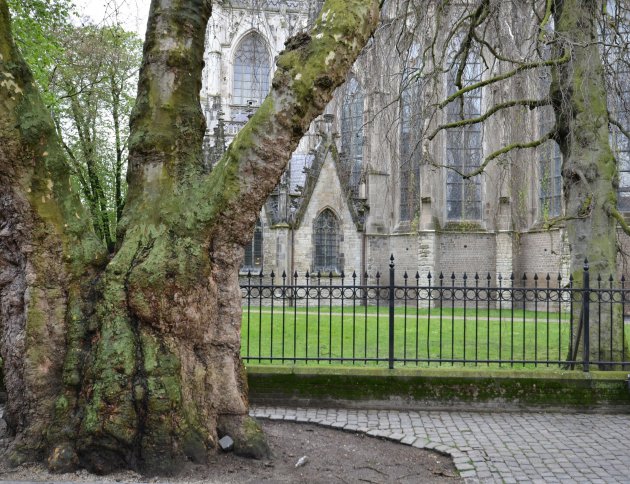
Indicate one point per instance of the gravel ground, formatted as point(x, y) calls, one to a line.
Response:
point(332, 456)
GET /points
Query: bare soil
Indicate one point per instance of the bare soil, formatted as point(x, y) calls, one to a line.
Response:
point(332, 456)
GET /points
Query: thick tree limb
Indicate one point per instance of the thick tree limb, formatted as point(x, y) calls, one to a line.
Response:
point(47, 252)
point(309, 71)
point(616, 214)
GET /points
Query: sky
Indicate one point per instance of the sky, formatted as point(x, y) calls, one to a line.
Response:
point(132, 14)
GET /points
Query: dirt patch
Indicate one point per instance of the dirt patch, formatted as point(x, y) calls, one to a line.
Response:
point(332, 456)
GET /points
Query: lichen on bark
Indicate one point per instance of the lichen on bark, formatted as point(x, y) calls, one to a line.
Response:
point(589, 170)
point(145, 347)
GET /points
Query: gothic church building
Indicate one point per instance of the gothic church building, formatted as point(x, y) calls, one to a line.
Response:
point(356, 189)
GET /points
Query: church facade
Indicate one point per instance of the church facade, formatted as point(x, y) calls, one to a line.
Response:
point(364, 183)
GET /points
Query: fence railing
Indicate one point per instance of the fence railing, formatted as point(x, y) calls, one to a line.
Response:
point(471, 320)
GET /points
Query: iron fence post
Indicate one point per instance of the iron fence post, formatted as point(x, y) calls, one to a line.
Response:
point(391, 312)
point(586, 319)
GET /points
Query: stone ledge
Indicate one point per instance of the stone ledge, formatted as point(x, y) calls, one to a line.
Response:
point(443, 388)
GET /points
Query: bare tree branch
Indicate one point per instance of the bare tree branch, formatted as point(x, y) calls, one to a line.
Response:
point(530, 103)
point(530, 65)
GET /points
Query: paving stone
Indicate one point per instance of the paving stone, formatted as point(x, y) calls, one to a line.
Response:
point(408, 439)
point(510, 448)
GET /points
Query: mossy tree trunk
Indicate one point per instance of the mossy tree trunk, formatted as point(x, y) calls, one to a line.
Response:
point(589, 170)
point(151, 339)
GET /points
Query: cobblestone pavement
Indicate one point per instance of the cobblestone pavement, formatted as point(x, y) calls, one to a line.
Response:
point(496, 447)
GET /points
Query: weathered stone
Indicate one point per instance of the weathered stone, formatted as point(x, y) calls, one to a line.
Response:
point(226, 443)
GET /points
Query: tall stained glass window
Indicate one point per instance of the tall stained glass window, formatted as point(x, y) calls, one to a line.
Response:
point(464, 144)
point(252, 70)
point(352, 133)
point(549, 171)
point(254, 250)
point(326, 242)
point(620, 103)
point(411, 124)
point(615, 36)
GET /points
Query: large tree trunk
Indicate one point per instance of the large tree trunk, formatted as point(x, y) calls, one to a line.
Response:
point(47, 253)
point(589, 170)
point(152, 372)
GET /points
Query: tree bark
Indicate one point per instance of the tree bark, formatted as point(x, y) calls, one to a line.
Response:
point(152, 372)
point(47, 252)
point(589, 170)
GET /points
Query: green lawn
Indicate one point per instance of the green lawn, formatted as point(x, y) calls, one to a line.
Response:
point(362, 333)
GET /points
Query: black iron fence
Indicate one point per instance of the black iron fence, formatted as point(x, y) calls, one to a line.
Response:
point(471, 320)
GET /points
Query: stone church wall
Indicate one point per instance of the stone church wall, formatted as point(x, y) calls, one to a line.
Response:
point(540, 253)
point(466, 252)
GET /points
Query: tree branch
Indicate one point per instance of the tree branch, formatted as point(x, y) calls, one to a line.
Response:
point(478, 17)
point(496, 154)
point(309, 70)
point(616, 214)
point(530, 103)
point(531, 65)
point(545, 20)
point(619, 125)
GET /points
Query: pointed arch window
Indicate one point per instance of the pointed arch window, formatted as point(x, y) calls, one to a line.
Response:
point(464, 143)
point(352, 133)
point(622, 143)
point(549, 163)
point(326, 242)
point(252, 70)
point(614, 38)
point(550, 177)
point(411, 123)
point(253, 259)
